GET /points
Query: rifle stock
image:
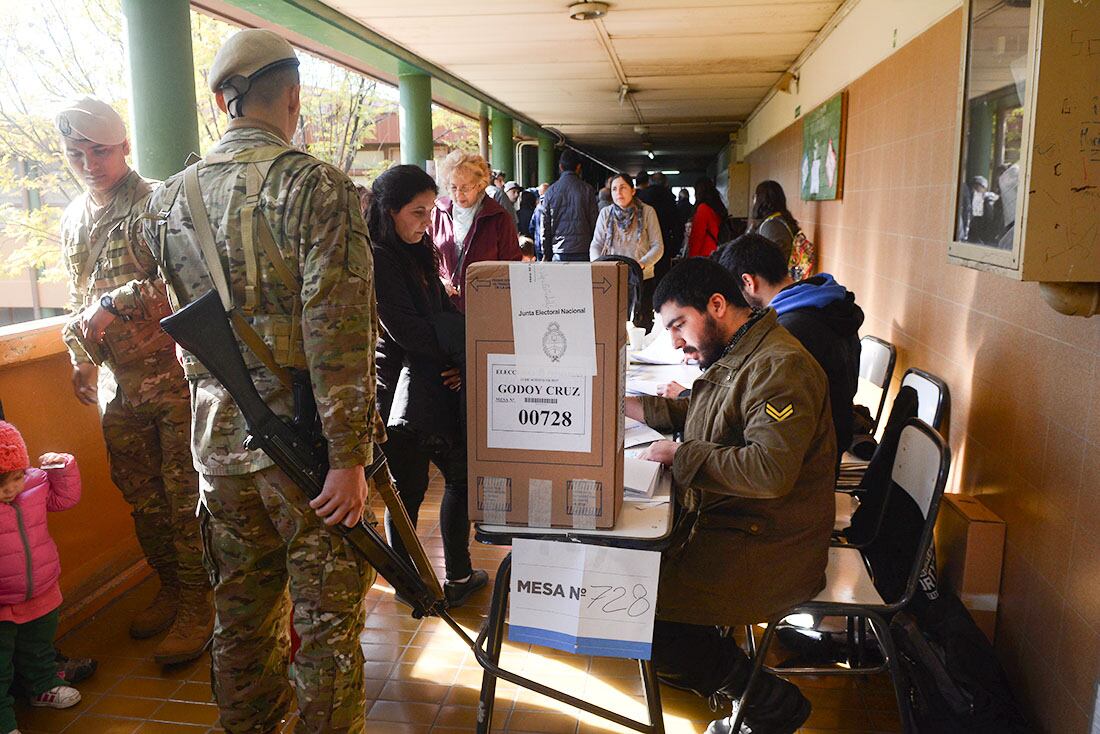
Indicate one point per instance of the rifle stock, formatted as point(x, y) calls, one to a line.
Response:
point(203, 329)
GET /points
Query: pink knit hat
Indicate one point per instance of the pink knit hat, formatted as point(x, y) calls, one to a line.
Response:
point(13, 451)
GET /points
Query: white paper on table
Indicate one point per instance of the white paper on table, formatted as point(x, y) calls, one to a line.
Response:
point(639, 433)
point(553, 321)
point(584, 599)
point(644, 387)
point(659, 351)
point(640, 476)
point(537, 410)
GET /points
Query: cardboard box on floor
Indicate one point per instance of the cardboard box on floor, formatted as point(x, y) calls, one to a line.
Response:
point(541, 485)
point(970, 541)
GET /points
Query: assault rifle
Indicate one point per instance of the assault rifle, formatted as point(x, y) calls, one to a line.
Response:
point(298, 448)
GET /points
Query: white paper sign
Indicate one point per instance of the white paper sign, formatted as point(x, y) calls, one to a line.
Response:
point(552, 317)
point(539, 411)
point(584, 599)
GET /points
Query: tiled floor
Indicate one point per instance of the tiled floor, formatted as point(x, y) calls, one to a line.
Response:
point(421, 679)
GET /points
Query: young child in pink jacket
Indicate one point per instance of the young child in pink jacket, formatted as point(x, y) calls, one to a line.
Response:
point(29, 570)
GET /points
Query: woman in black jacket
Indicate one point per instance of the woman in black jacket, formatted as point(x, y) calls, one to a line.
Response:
point(420, 357)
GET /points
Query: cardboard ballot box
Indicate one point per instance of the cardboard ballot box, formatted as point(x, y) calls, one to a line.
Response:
point(970, 542)
point(545, 376)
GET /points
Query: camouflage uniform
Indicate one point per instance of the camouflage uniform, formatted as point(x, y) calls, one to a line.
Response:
point(259, 531)
point(142, 392)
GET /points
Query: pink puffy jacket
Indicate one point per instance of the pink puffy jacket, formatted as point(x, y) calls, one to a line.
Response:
point(29, 564)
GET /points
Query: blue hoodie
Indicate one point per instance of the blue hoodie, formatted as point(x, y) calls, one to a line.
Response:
point(816, 292)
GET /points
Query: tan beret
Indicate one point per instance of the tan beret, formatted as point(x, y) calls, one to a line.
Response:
point(245, 54)
point(91, 119)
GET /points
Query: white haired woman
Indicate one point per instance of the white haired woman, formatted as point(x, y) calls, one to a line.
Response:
point(468, 226)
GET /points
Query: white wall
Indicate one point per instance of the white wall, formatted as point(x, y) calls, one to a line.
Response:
point(863, 38)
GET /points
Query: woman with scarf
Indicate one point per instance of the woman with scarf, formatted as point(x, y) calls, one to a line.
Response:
point(468, 226)
point(420, 357)
point(630, 227)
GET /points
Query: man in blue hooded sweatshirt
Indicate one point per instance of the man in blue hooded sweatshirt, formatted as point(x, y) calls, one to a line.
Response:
point(818, 311)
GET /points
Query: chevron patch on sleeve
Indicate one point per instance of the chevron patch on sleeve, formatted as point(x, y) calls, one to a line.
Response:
point(778, 414)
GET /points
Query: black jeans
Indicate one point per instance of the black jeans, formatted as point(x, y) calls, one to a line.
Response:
point(699, 658)
point(408, 458)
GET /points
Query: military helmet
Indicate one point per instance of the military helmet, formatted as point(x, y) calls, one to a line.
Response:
point(247, 55)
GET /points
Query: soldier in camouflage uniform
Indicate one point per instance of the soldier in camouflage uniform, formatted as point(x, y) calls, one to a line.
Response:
point(115, 332)
point(284, 235)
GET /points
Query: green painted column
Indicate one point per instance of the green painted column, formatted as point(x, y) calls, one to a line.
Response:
point(547, 170)
point(164, 124)
point(503, 151)
point(414, 88)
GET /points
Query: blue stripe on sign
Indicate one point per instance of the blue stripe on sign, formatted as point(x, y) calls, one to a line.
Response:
point(581, 645)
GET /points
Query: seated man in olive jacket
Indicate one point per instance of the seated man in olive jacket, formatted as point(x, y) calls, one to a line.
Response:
point(754, 483)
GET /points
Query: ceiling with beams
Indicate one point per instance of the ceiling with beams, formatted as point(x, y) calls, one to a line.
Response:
point(694, 68)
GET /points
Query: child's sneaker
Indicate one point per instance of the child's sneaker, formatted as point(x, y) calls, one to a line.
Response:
point(74, 670)
point(58, 697)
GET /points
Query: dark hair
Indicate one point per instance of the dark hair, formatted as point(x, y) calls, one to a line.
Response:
point(267, 87)
point(392, 190)
point(706, 193)
point(753, 254)
point(624, 176)
point(642, 178)
point(769, 199)
point(9, 475)
point(694, 281)
point(569, 160)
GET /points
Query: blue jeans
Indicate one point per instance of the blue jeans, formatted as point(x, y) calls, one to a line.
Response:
point(571, 257)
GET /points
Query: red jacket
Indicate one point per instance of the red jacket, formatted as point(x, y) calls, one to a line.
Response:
point(29, 564)
point(704, 232)
point(492, 236)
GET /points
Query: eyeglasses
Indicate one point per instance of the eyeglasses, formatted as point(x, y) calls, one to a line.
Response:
point(467, 189)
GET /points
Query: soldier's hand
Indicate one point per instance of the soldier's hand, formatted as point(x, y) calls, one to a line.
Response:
point(343, 498)
point(94, 322)
point(662, 452)
point(670, 390)
point(452, 378)
point(84, 382)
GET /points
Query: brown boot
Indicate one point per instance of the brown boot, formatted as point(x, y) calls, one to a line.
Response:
point(159, 615)
point(190, 633)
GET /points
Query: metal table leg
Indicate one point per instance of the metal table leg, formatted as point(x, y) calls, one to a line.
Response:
point(493, 643)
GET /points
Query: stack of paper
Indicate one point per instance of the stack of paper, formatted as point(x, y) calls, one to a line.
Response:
point(659, 351)
point(640, 477)
point(638, 433)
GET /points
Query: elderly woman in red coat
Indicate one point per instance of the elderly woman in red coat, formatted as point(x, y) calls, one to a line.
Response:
point(468, 226)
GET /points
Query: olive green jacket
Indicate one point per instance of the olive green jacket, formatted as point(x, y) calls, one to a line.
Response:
point(754, 480)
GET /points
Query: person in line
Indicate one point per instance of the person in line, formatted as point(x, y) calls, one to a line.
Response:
point(569, 212)
point(772, 219)
point(753, 478)
point(536, 219)
point(469, 226)
point(630, 227)
point(30, 596)
point(658, 195)
point(708, 220)
point(819, 312)
point(496, 190)
point(684, 206)
point(272, 553)
point(126, 364)
point(421, 358)
point(524, 202)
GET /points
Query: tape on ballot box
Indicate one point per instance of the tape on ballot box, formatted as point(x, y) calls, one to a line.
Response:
point(583, 599)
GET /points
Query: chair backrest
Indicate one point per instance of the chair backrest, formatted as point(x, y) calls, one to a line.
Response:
point(920, 469)
point(876, 368)
point(933, 396)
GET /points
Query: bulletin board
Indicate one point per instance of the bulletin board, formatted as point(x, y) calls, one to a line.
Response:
point(822, 164)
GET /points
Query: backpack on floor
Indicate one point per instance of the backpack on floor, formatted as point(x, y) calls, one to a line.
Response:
point(951, 677)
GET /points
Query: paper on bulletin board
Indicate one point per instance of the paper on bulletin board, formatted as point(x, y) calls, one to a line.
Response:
point(553, 321)
point(537, 410)
point(583, 599)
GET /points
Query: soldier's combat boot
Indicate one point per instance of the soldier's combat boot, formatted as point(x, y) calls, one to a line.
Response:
point(191, 632)
point(160, 614)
